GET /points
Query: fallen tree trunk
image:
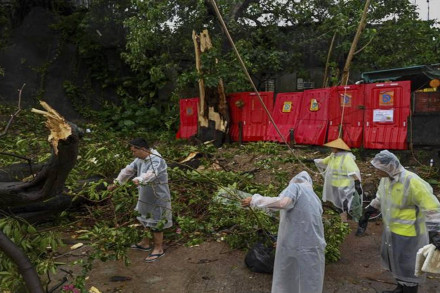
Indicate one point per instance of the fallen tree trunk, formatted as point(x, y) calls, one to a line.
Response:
point(42, 196)
point(48, 185)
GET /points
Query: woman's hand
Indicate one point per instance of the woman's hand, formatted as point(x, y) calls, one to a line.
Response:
point(111, 187)
point(245, 202)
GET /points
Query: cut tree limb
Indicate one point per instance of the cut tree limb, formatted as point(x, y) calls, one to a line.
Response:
point(16, 112)
point(49, 182)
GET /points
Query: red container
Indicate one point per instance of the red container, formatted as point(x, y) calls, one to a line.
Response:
point(386, 114)
point(285, 115)
point(188, 117)
point(247, 110)
point(236, 104)
point(313, 117)
point(428, 102)
point(347, 102)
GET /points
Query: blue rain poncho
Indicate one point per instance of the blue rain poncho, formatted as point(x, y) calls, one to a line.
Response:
point(154, 203)
point(409, 211)
point(299, 257)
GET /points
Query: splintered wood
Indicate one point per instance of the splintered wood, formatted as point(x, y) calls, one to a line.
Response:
point(58, 126)
point(212, 102)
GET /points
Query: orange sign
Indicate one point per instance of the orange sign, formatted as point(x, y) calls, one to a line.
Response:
point(346, 99)
point(386, 98)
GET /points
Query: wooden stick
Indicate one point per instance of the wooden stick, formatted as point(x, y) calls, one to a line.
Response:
point(16, 113)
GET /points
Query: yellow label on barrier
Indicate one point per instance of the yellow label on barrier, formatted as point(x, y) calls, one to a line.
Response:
point(287, 107)
point(314, 106)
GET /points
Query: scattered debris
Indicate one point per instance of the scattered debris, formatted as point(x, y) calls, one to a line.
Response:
point(76, 246)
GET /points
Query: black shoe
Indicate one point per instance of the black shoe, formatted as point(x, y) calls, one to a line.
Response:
point(412, 289)
point(360, 231)
point(398, 289)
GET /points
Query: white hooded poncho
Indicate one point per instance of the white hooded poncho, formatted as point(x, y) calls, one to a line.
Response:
point(300, 257)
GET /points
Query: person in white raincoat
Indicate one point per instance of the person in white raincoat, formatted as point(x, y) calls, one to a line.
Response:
point(342, 180)
point(299, 257)
point(149, 173)
point(410, 212)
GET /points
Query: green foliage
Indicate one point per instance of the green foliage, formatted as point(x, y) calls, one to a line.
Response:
point(137, 115)
point(108, 243)
point(265, 148)
point(5, 27)
point(335, 232)
point(154, 38)
point(78, 98)
point(418, 43)
point(38, 246)
point(26, 137)
point(199, 214)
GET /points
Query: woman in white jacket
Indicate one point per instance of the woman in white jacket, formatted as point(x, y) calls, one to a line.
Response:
point(299, 257)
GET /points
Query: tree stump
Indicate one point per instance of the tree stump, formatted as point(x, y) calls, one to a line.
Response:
point(43, 196)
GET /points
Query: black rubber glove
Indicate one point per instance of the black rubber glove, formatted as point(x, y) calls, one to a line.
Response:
point(358, 187)
point(363, 222)
point(434, 238)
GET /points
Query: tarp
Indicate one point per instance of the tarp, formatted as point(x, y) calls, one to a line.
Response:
point(419, 75)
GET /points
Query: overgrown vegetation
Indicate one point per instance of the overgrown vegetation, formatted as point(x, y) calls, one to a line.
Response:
point(104, 221)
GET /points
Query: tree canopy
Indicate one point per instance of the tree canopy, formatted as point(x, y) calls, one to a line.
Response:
point(275, 37)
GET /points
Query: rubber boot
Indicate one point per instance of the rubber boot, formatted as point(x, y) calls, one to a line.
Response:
point(360, 231)
point(412, 289)
point(398, 289)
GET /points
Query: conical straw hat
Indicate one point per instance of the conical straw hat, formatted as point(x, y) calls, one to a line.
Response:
point(338, 144)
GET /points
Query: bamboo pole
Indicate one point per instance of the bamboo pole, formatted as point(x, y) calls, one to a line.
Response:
point(344, 79)
point(330, 50)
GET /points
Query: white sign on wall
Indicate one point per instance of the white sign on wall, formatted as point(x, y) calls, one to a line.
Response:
point(383, 115)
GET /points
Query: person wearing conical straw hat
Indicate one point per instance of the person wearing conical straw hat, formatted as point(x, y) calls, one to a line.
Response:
point(342, 180)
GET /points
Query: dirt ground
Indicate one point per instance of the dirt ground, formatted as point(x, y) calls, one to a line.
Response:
point(214, 267)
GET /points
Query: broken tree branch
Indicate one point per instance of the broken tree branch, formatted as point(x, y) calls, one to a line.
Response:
point(24, 265)
point(15, 114)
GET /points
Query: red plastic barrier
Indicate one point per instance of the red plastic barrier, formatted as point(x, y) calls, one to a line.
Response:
point(386, 114)
point(188, 118)
point(347, 101)
point(285, 115)
point(313, 117)
point(246, 109)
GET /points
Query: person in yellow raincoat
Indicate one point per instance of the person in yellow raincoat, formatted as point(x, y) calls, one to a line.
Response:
point(410, 214)
point(342, 180)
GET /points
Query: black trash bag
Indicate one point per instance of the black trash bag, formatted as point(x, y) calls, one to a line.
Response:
point(260, 258)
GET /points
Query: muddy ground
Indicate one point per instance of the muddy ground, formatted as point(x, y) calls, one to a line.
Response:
point(214, 267)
